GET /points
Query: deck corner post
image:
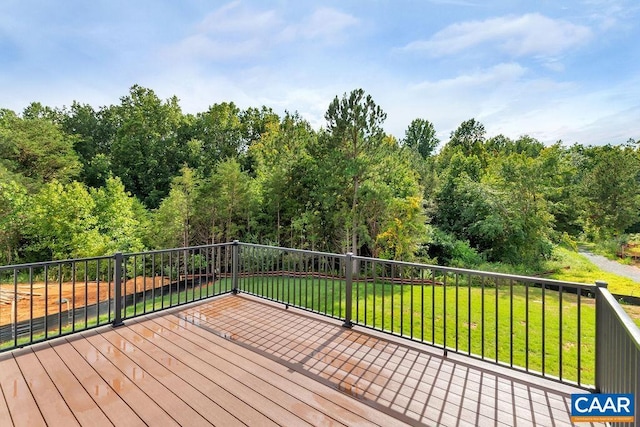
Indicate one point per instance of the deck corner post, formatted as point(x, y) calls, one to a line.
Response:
point(600, 335)
point(117, 283)
point(234, 266)
point(348, 290)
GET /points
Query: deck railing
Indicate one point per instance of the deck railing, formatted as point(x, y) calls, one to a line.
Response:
point(46, 300)
point(166, 278)
point(618, 348)
point(568, 332)
point(543, 327)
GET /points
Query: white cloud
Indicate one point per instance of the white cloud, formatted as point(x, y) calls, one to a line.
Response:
point(200, 46)
point(498, 74)
point(530, 34)
point(521, 103)
point(613, 15)
point(326, 23)
point(501, 97)
point(238, 31)
point(235, 18)
point(297, 58)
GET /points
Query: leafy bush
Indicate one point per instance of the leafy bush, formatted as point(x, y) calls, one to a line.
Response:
point(447, 250)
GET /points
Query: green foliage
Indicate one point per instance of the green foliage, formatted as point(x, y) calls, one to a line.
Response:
point(60, 223)
point(228, 173)
point(93, 133)
point(145, 152)
point(468, 139)
point(118, 217)
point(172, 221)
point(220, 133)
point(278, 156)
point(421, 136)
point(493, 194)
point(355, 127)
point(13, 201)
point(37, 149)
point(229, 196)
point(445, 249)
point(612, 190)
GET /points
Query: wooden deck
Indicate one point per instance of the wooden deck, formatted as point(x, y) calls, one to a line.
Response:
point(236, 360)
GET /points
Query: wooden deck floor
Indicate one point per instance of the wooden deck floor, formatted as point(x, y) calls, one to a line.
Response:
point(235, 360)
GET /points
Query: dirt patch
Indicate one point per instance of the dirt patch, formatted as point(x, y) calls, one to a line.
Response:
point(40, 299)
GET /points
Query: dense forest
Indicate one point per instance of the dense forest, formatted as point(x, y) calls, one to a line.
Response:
point(78, 182)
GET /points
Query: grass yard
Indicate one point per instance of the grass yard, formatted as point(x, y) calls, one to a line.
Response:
point(185, 294)
point(582, 270)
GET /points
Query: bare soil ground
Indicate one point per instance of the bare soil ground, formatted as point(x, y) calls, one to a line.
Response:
point(31, 300)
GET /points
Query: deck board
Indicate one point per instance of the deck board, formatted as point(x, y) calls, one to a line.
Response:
point(161, 366)
point(339, 406)
point(198, 359)
point(270, 394)
point(104, 397)
point(236, 360)
point(54, 410)
point(246, 413)
point(4, 409)
point(344, 408)
point(21, 403)
point(139, 373)
point(131, 391)
point(83, 407)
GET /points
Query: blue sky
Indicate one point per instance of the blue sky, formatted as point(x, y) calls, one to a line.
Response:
point(555, 70)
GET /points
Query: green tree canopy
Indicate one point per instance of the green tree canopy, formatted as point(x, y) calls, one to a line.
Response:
point(421, 136)
point(355, 123)
point(37, 149)
point(145, 152)
point(612, 189)
point(61, 223)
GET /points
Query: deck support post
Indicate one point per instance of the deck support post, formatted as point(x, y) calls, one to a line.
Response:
point(234, 266)
point(600, 331)
point(117, 283)
point(348, 290)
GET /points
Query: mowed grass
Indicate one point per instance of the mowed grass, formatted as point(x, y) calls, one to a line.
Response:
point(570, 266)
point(183, 294)
point(584, 271)
point(530, 328)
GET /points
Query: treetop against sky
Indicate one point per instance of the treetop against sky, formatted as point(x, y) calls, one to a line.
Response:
point(554, 70)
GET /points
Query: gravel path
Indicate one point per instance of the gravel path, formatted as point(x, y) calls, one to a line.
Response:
point(629, 271)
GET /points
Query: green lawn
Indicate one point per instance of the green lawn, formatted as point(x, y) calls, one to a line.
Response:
point(584, 271)
point(182, 296)
point(570, 266)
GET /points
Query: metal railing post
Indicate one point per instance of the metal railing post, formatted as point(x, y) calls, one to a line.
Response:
point(234, 266)
point(348, 290)
point(600, 336)
point(117, 283)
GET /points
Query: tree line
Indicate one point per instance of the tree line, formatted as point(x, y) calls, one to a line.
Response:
point(78, 181)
